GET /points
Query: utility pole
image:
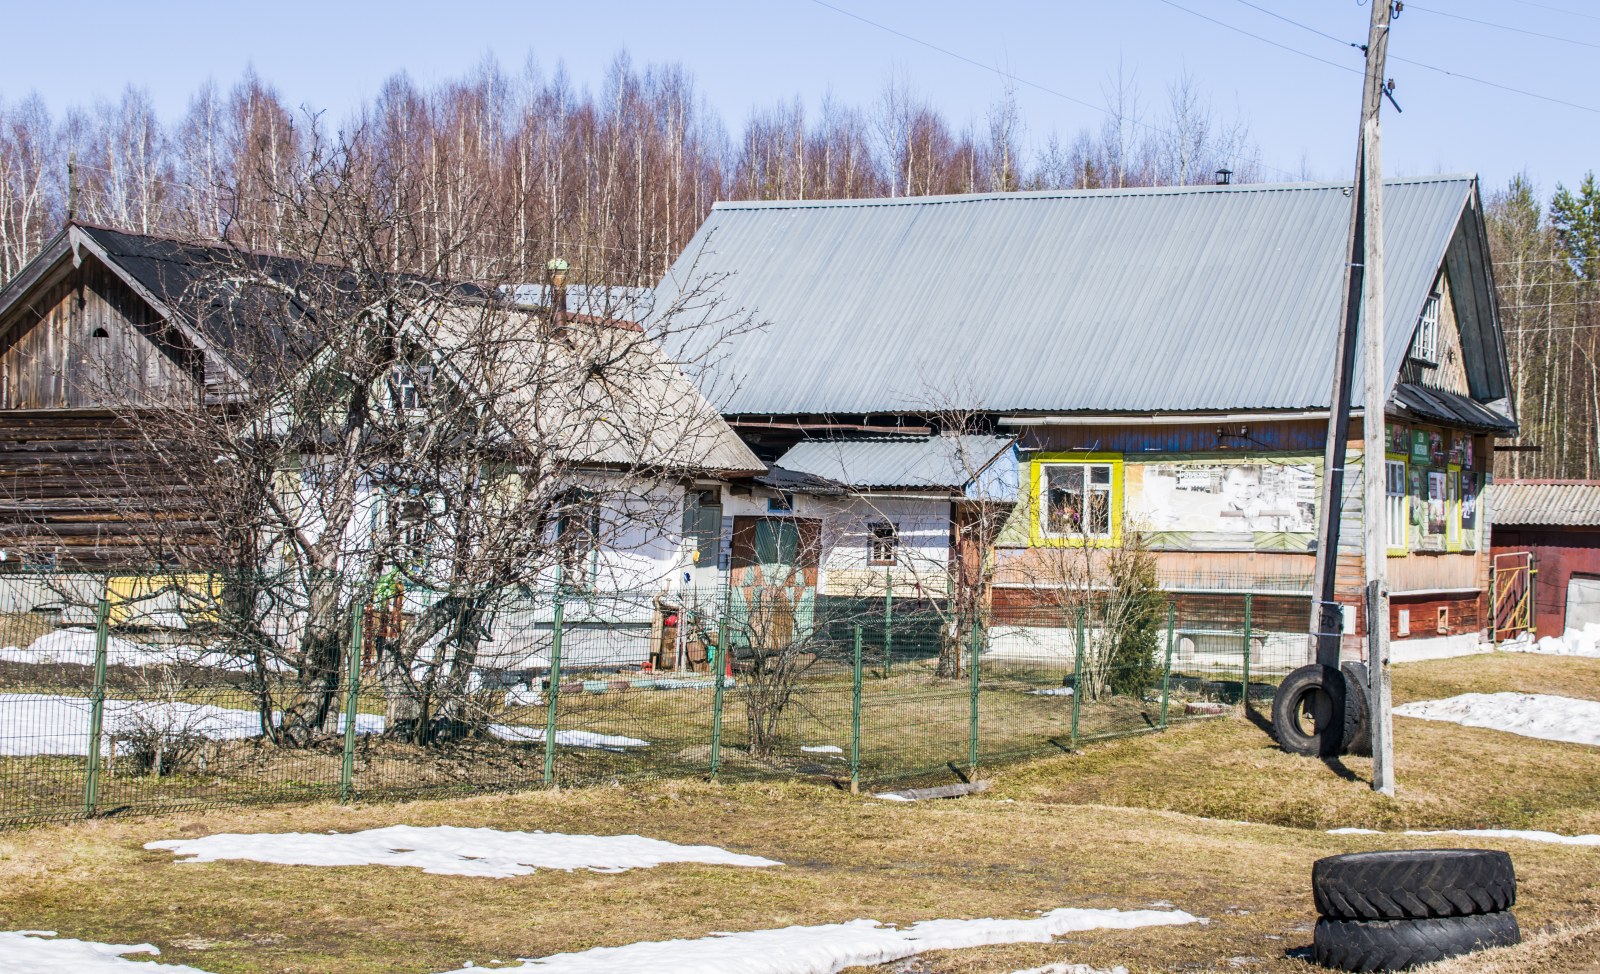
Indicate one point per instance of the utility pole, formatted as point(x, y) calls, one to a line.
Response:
point(1375, 536)
point(1365, 252)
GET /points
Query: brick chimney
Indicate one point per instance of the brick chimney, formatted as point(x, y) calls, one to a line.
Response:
point(558, 292)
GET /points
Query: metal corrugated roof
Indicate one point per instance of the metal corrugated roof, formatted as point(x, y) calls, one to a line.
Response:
point(1450, 407)
point(947, 462)
point(1182, 298)
point(1571, 503)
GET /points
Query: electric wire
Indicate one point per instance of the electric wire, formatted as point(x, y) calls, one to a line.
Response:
point(1505, 27)
point(1009, 75)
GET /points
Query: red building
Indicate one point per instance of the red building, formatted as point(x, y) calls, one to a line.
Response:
point(1557, 523)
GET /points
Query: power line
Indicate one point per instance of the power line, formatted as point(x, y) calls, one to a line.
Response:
point(1393, 57)
point(1506, 27)
point(1559, 10)
point(1264, 40)
point(1008, 75)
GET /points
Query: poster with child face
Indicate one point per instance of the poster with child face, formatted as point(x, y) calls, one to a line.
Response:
point(1436, 502)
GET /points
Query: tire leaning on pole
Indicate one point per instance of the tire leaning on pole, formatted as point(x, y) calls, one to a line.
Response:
point(1308, 711)
point(1357, 712)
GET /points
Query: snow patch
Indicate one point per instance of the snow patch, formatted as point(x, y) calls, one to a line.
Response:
point(447, 850)
point(76, 646)
point(1573, 642)
point(832, 947)
point(1540, 715)
point(35, 723)
point(566, 738)
point(1073, 969)
point(823, 749)
point(1053, 692)
point(28, 952)
point(1529, 835)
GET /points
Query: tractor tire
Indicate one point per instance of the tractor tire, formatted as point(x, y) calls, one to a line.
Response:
point(1308, 711)
point(1395, 945)
point(1357, 715)
point(1414, 884)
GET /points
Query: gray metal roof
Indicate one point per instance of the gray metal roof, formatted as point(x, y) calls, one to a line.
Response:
point(1449, 407)
point(1181, 298)
point(946, 462)
point(1556, 503)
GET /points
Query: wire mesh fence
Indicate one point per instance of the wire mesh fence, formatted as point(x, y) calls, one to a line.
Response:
point(144, 693)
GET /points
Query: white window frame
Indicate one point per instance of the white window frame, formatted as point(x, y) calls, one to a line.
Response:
point(1397, 520)
point(883, 543)
point(1108, 489)
point(1425, 345)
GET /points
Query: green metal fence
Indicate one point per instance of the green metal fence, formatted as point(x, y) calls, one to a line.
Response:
point(135, 694)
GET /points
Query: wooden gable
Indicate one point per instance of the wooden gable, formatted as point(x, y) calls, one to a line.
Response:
point(83, 339)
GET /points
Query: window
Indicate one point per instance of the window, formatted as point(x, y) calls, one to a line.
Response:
point(1076, 500)
point(1425, 346)
point(883, 544)
point(413, 383)
point(783, 503)
point(578, 536)
point(1396, 512)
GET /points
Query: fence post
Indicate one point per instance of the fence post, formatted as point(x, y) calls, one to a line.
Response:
point(352, 700)
point(1244, 681)
point(888, 622)
point(1077, 679)
point(855, 720)
point(1166, 674)
point(972, 733)
point(97, 707)
point(719, 676)
point(553, 697)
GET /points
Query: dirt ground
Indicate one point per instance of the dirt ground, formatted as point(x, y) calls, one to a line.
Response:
point(1208, 817)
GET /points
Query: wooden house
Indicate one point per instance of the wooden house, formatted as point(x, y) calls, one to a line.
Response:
point(1164, 358)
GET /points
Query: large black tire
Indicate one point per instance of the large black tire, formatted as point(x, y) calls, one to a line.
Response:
point(1357, 715)
point(1412, 884)
point(1394, 945)
point(1308, 711)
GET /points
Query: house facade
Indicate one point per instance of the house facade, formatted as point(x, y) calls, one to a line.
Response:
point(1163, 361)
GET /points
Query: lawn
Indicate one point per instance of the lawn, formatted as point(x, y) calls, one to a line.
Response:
point(1124, 824)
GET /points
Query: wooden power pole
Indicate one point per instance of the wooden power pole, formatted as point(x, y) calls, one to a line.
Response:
point(1376, 381)
point(1362, 302)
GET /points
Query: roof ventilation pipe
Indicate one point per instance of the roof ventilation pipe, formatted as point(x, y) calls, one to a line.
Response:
point(557, 268)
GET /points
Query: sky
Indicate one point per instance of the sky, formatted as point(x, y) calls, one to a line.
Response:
point(1298, 91)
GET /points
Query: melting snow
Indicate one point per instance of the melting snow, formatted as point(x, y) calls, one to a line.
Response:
point(1052, 692)
point(34, 723)
point(566, 738)
point(1573, 642)
point(1073, 969)
point(833, 947)
point(1530, 835)
point(823, 749)
point(451, 851)
point(76, 646)
point(1545, 716)
point(28, 952)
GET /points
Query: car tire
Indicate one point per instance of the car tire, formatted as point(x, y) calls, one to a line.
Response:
point(1308, 711)
point(1395, 945)
point(1414, 884)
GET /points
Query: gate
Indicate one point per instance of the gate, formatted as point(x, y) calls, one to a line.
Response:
point(1511, 588)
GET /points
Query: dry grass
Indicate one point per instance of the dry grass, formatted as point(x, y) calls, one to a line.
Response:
point(1047, 836)
point(1449, 776)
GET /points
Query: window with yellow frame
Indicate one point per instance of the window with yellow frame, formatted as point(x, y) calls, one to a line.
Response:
point(1076, 499)
point(1397, 511)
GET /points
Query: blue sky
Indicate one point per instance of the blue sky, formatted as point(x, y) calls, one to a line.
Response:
point(1300, 110)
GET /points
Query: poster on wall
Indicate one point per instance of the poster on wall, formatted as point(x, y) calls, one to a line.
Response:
point(1469, 508)
point(1399, 440)
point(1467, 453)
point(1419, 499)
point(1419, 446)
point(1458, 448)
point(1436, 502)
point(1436, 452)
point(1226, 497)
